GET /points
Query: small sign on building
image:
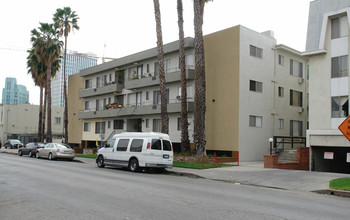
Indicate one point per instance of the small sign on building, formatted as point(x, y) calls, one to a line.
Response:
point(348, 157)
point(328, 155)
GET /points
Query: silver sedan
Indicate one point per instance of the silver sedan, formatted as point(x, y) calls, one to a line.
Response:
point(56, 150)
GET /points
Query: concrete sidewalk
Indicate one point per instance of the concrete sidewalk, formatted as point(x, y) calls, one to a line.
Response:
point(253, 173)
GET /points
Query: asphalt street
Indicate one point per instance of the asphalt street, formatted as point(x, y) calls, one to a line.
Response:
point(42, 189)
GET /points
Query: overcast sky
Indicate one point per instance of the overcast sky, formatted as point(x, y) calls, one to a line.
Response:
point(128, 26)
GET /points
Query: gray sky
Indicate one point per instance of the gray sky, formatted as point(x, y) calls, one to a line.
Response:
point(128, 26)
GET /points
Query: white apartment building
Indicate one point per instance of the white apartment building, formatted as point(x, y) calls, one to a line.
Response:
point(256, 89)
point(74, 63)
point(327, 49)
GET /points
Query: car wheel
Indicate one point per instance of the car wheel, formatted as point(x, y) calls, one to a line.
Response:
point(20, 153)
point(37, 155)
point(50, 156)
point(133, 165)
point(100, 162)
point(30, 154)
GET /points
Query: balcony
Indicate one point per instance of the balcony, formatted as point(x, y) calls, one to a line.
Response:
point(134, 111)
point(109, 88)
point(174, 75)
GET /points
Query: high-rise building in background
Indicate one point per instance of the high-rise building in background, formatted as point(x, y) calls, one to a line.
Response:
point(75, 62)
point(14, 94)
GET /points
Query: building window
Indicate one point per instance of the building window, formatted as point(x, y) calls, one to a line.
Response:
point(138, 98)
point(140, 71)
point(87, 105)
point(87, 126)
point(57, 120)
point(179, 124)
point(280, 91)
point(109, 125)
point(167, 65)
point(156, 97)
point(88, 84)
point(256, 51)
point(296, 128)
point(340, 107)
point(118, 124)
point(280, 123)
point(147, 68)
point(147, 95)
point(189, 91)
point(339, 27)
point(281, 60)
point(296, 68)
point(255, 121)
point(296, 98)
point(147, 123)
point(156, 69)
point(339, 66)
point(255, 86)
point(157, 124)
point(100, 127)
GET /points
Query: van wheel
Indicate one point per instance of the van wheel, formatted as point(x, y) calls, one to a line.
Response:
point(133, 165)
point(20, 153)
point(100, 161)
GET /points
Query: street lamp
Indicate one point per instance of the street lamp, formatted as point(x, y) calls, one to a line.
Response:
point(270, 140)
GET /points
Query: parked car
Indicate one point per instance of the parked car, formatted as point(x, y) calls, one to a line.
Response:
point(136, 150)
point(13, 143)
point(56, 150)
point(30, 149)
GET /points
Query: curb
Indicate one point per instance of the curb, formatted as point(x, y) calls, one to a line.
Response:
point(13, 153)
point(338, 192)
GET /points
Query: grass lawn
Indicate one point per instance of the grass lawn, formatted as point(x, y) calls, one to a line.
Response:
point(340, 184)
point(198, 165)
point(93, 156)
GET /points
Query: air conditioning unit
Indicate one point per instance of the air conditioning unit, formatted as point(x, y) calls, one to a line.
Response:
point(154, 77)
point(154, 107)
point(178, 97)
point(301, 80)
point(301, 110)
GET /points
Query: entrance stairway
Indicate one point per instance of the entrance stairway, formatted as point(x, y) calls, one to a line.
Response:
point(287, 156)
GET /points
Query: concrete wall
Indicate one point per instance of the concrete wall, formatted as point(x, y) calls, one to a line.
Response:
point(75, 126)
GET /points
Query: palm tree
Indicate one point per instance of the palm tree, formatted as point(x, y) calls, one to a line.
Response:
point(37, 70)
point(185, 142)
point(199, 95)
point(47, 47)
point(67, 20)
point(163, 99)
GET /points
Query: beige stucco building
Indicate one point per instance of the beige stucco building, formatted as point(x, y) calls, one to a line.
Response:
point(21, 122)
point(256, 89)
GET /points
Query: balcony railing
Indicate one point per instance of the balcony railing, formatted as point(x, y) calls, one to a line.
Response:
point(148, 79)
point(108, 88)
point(134, 110)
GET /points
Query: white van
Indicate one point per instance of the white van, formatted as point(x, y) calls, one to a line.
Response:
point(137, 149)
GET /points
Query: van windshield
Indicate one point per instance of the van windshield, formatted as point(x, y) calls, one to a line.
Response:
point(166, 145)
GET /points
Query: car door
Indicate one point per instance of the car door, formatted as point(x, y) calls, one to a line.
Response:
point(121, 154)
point(44, 152)
point(107, 150)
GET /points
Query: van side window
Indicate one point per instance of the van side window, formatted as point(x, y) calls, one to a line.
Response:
point(166, 145)
point(122, 144)
point(136, 145)
point(110, 143)
point(156, 144)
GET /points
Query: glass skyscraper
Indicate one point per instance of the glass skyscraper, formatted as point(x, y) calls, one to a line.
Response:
point(75, 62)
point(14, 94)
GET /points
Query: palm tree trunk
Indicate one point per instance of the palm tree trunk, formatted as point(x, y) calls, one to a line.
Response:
point(49, 129)
point(185, 142)
point(163, 104)
point(65, 117)
point(200, 99)
point(40, 114)
point(43, 136)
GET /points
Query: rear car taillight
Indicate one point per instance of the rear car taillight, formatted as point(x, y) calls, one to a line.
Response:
point(58, 150)
point(36, 149)
point(172, 149)
point(148, 145)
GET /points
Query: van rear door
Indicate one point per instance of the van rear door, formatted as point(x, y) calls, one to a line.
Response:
point(167, 153)
point(155, 152)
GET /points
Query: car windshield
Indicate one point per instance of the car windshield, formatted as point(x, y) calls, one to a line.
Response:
point(63, 146)
point(15, 141)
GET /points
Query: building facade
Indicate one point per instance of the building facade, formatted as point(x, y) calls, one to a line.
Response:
point(14, 94)
point(74, 63)
point(255, 90)
point(21, 122)
point(327, 49)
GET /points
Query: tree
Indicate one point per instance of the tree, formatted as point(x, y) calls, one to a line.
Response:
point(200, 92)
point(185, 142)
point(66, 20)
point(47, 47)
point(163, 98)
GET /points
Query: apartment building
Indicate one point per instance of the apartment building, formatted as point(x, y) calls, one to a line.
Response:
point(255, 90)
point(327, 48)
